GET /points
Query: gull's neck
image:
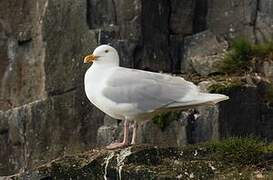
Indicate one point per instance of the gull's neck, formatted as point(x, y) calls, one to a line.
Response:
point(106, 63)
point(103, 65)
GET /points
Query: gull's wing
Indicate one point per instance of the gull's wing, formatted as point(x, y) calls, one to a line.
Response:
point(147, 90)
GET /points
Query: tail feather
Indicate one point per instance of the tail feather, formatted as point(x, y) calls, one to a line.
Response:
point(199, 100)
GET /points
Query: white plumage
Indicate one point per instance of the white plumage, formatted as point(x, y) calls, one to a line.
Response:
point(137, 95)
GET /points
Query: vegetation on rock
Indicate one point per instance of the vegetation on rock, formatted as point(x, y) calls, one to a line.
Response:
point(244, 151)
point(224, 87)
point(232, 158)
point(242, 52)
point(163, 120)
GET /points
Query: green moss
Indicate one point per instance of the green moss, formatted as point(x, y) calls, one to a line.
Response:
point(267, 149)
point(238, 55)
point(163, 120)
point(71, 167)
point(232, 158)
point(241, 53)
point(244, 151)
point(224, 87)
point(262, 50)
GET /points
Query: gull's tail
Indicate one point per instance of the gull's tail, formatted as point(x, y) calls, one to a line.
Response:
point(198, 100)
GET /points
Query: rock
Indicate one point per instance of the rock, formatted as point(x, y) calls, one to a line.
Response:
point(182, 14)
point(129, 19)
point(266, 7)
point(126, 49)
point(200, 16)
point(239, 115)
point(176, 52)
point(173, 135)
point(266, 69)
point(108, 134)
point(41, 76)
point(21, 51)
point(42, 44)
point(42, 130)
point(264, 27)
point(147, 162)
point(106, 35)
point(101, 13)
point(248, 112)
point(204, 53)
point(68, 39)
point(153, 53)
point(232, 18)
point(206, 126)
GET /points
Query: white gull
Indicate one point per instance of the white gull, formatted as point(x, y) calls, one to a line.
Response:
point(136, 95)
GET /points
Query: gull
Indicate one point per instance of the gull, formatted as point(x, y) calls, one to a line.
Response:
point(137, 95)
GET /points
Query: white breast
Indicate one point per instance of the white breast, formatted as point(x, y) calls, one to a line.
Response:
point(94, 82)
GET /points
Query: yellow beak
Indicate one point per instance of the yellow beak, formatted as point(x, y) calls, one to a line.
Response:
point(90, 58)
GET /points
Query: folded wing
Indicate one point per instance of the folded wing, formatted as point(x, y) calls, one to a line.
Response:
point(151, 91)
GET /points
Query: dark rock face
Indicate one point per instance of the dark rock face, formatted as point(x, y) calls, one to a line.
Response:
point(150, 29)
point(232, 18)
point(181, 22)
point(20, 53)
point(45, 129)
point(41, 83)
point(204, 53)
point(44, 112)
point(246, 114)
point(142, 162)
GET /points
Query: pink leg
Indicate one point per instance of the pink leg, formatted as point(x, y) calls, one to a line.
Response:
point(134, 133)
point(125, 138)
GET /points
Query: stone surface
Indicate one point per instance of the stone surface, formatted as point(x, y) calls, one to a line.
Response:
point(144, 28)
point(67, 39)
point(264, 27)
point(22, 52)
point(265, 68)
point(248, 112)
point(108, 134)
point(101, 13)
point(206, 126)
point(42, 44)
point(204, 53)
point(266, 7)
point(147, 162)
point(46, 129)
point(182, 14)
point(200, 16)
point(42, 82)
point(232, 18)
point(173, 135)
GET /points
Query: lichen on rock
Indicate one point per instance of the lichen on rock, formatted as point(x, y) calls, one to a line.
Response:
point(231, 158)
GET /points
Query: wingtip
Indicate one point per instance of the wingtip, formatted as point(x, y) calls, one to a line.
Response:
point(222, 98)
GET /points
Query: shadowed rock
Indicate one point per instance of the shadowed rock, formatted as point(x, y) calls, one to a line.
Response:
point(147, 162)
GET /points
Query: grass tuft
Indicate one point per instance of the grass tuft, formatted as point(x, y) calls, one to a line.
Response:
point(263, 50)
point(163, 120)
point(237, 57)
point(241, 53)
point(224, 88)
point(244, 151)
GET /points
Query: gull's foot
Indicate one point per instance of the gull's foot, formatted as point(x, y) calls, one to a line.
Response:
point(117, 145)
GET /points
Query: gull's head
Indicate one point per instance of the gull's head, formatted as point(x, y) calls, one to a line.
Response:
point(103, 54)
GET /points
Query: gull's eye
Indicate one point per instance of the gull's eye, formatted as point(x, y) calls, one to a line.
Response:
point(106, 51)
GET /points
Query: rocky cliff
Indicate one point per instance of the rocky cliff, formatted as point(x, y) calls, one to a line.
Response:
point(43, 110)
point(229, 159)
